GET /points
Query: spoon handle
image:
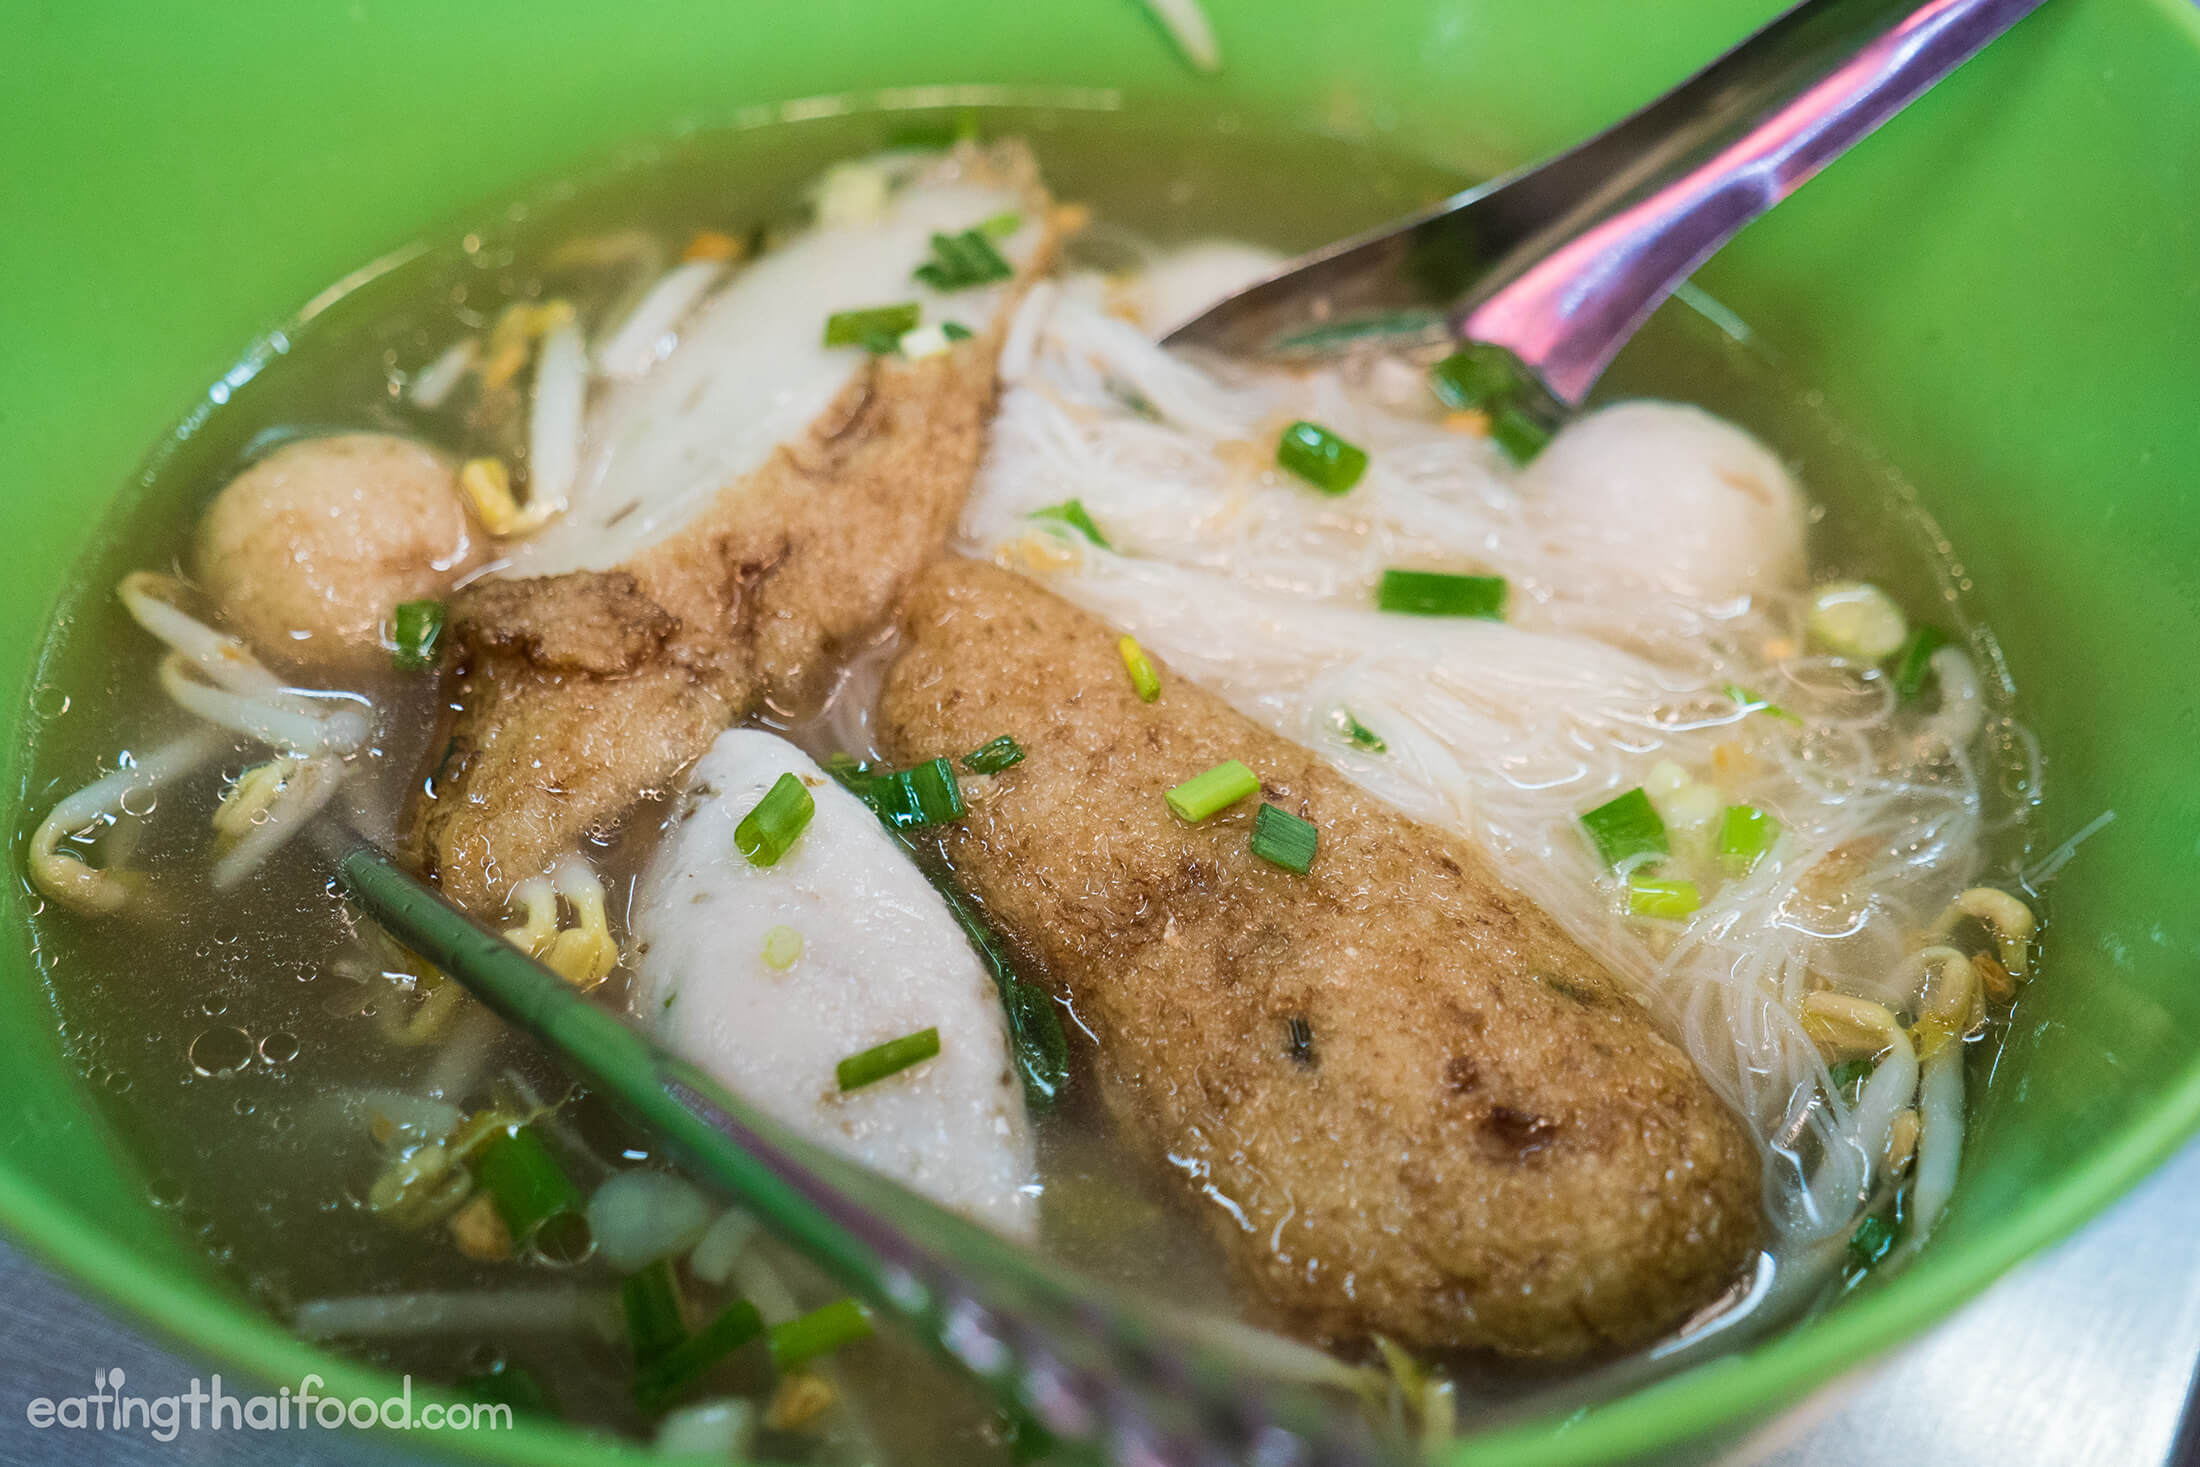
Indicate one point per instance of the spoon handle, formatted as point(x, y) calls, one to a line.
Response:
point(1656, 195)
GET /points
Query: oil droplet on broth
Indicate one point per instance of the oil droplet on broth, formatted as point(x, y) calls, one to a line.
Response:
point(48, 701)
point(279, 1048)
point(221, 1051)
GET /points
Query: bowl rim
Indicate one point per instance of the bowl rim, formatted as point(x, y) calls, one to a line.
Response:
point(1720, 1392)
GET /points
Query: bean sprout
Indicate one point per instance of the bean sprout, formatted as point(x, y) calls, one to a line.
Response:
point(76, 883)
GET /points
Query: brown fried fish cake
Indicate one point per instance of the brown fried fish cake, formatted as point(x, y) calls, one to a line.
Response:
point(1408, 1103)
point(580, 693)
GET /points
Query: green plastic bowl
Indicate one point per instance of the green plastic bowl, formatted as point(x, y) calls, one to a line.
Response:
point(2003, 287)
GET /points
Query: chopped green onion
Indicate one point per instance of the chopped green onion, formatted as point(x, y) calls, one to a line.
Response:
point(1034, 1028)
point(1477, 376)
point(1140, 667)
point(1912, 665)
point(1627, 830)
point(924, 342)
point(1320, 457)
point(1672, 900)
point(956, 331)
point(782, 948)
point(524, 1181)
point(1856, 619)
point(1436, 593)
point(1356, 733)
point(820, 1332)
point(1282, 839)
point(1035, 1031)
point(650, 1300)
point(1749, 702)
point(660, 1383)
point(766, 832)
point(869, 327)
point(1072, 512)
point(960, 261)
point(1872, 1241)
point(1001, 225)
point(417, 629)
point(925, 795)
point(1204, 794)
point(1746, 834)
point(1520, 435)
point(891, 1058)
point(994, 756)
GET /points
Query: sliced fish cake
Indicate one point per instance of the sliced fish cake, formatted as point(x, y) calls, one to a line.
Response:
point(769, 976)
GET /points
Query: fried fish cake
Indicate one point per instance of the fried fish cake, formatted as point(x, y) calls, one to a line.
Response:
point(1407, 1102)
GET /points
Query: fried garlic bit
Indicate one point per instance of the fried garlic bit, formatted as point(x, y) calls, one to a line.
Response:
point(583, 954)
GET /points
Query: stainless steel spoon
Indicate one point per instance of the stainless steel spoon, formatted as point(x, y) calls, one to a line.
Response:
point(1563, 262)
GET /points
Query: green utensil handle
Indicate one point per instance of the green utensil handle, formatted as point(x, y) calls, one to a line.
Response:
point(1044, 1345)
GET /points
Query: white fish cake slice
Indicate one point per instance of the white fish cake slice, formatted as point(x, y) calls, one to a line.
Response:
point(881, 957)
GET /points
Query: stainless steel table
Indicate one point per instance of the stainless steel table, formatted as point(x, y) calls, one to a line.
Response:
point(2083, 1358)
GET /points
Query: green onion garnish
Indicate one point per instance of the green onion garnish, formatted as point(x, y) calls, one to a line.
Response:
point(1746, 833)
point(1520, 435)
point(1042, 1051)
point(1477, 376)
point(925, 795)
point(820, 1332)
point(994, 756)
point(1626, 830)
point(1072, 512)
point(1749, 703)
point(416, 627)
point(890, 1058)
point(1356, 733)
point(1204, 794)
point(956, 331)
point(766, 832)
point(660, 1383)
point(1872, 1241)
point(1282, 839)
point(650, 1300)
point(525, 1182)
point(1034, 1027)
point(1001, 225)
point(1320, 457)
point(1435, 593)
point(1672, 900)
point(1912, 664)
point(872, 326)
point(960, 261)
point(1135, 662)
